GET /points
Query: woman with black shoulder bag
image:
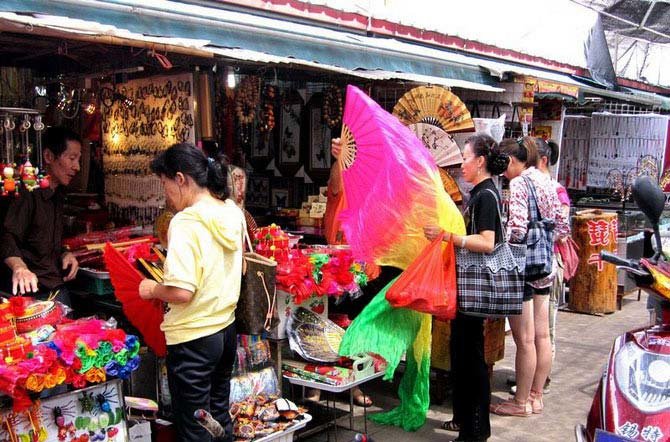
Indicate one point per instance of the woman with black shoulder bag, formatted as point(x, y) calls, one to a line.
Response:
point(472, 390)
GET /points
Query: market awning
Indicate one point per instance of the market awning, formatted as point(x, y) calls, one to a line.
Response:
point(238, 35)
point(499, 69)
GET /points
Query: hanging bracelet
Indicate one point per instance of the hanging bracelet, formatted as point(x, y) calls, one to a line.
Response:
point(463, 242)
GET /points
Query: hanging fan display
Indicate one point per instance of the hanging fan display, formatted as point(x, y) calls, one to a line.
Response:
point(146, 316)
point(433, 105)
point(450, 186)
point(440, 144)
point(391, 184)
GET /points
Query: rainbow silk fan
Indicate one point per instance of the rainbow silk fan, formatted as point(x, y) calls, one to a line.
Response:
point(393, 189)
point(434, 105)
point(392, 186)
point(440, 144)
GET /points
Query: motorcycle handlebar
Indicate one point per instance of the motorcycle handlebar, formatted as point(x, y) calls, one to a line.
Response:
point(641, 275)
point(617, 260)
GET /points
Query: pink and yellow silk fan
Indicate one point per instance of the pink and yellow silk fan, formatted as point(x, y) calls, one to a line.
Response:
point(392, 186)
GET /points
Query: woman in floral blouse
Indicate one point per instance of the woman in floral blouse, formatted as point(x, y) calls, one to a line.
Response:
point(530, 329)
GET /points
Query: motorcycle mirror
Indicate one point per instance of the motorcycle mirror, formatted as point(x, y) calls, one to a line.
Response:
point(649, 198)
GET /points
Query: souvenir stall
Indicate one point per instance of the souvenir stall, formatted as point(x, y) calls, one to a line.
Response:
point(60, 378)
point(602, 154)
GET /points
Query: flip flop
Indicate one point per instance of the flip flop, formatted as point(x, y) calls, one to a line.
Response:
point(451, 426)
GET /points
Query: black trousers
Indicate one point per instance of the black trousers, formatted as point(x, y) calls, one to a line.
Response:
point(472, 389)
point(199, 377)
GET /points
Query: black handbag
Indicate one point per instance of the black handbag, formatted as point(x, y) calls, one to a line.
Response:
point(491, 284)
point(539, 239)
point(256, 310)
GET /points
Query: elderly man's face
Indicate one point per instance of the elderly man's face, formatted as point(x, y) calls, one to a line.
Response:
point(239, 185)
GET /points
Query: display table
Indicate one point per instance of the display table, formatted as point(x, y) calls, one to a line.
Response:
point(334, 389)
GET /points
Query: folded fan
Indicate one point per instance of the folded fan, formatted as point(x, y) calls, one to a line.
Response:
point(146, 316)
point(313, 337)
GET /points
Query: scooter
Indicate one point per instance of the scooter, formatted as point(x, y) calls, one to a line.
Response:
point(632, 402)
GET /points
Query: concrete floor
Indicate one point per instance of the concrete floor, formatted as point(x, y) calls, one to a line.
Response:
point(583, 345)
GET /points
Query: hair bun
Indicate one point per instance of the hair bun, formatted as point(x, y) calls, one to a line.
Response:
point(497, 161)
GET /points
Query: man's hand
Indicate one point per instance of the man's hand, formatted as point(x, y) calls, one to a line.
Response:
point(70, 261)
point(147, 288)
point(23, 281)
point(336, 147)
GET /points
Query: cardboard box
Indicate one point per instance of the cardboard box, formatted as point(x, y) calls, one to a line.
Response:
point(285, 306)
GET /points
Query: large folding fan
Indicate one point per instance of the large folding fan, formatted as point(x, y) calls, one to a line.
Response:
point(433, 105)
point(391, 184)
point(440, 144)
point(451, 187)
point(145, 315)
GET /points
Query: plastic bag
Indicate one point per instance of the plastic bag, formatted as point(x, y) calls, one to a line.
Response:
point(568, 251)
point(428, 285)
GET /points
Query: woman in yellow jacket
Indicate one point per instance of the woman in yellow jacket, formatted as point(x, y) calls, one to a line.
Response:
point(201, 286)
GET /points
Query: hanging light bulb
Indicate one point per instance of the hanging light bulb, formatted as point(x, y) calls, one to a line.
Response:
point(230, 78)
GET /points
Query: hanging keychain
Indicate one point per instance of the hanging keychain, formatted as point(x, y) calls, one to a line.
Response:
point(9, 126)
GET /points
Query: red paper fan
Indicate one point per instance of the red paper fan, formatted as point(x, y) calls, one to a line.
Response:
point(146, 316)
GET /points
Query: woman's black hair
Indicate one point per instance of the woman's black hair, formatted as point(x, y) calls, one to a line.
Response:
point(485, 146)
point(523, 149)
point(547, 149)
point(555, 151)
point(56, 138)
point(205, 172)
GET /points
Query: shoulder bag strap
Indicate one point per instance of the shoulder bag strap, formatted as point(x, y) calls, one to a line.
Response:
point(532, 198)
point(495, 197)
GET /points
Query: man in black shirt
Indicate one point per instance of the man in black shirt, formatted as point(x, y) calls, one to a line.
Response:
point(31, 238)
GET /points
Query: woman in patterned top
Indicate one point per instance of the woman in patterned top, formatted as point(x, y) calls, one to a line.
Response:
point(530, 329)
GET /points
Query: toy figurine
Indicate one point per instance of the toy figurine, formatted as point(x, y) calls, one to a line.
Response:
point(8, 181)
point(29, 176)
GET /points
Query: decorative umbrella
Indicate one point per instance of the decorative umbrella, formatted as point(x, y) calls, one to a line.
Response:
point(145, 315)
point(392, 186)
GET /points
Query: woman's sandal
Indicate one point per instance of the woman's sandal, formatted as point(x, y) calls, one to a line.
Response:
point(536, 402)
point(512, 408)
point(361, 399)
point(451, 426)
